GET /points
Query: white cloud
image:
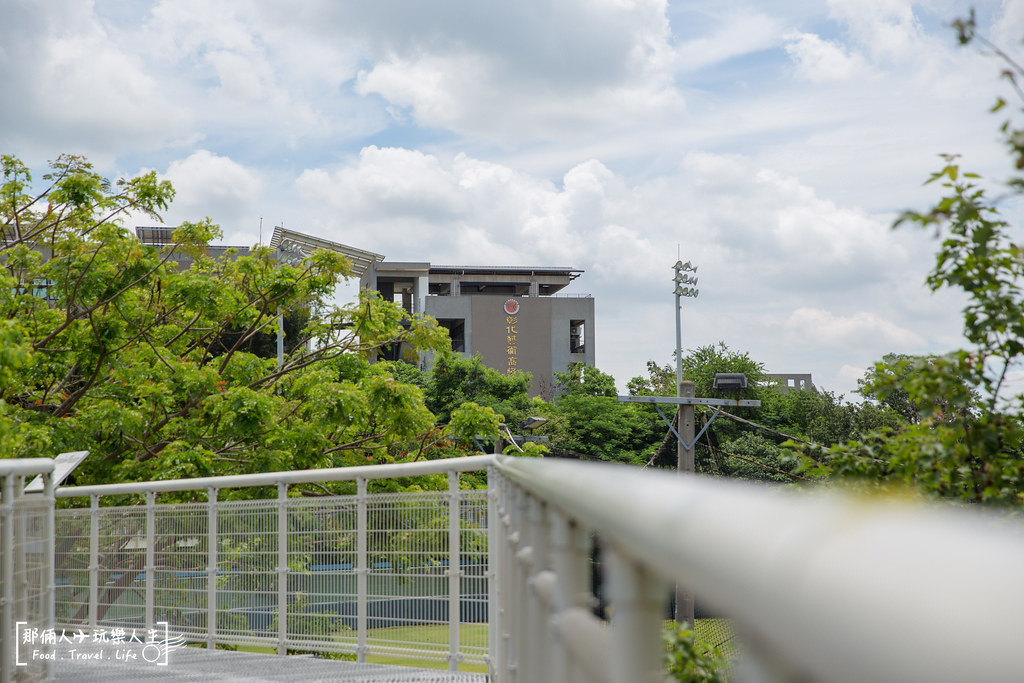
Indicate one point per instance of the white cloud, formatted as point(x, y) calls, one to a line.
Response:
point(823, 61)
point(888, 29)
point(214, 186)
point(737, 34)
point(770, 143)
point(1009, 25)
point(432, 86)
point(589, 66)
point(77, 88)
point(849, 374)
point(863, 328)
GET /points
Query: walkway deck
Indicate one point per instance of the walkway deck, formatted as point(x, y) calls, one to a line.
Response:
point(212, 666)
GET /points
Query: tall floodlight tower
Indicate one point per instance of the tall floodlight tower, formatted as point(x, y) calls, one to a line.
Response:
point(686, 287)
point(689, 290)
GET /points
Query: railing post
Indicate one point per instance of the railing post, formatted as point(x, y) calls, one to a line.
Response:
point(50, 594)
point(538, 631)
point(495, 591)
point(638, 598)
point(211, 568)
point(454, 571)
point(524, 664)
point(94, 559)
point(362, 569)
point(150, 557)
point(282, 569)
point(7, 579)
point(522, 560)
point(569, 545)
point(19, 548)
point(507, 569)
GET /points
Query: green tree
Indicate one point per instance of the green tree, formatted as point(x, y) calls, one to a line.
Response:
point(966, 443)
point(455, 381)
point(752, 456)
point(660, 381)
point(601, 428)
point(700, 366)
point(109, 346)
point(886, 383)
point(586, 419)
point(584, 380)
point(822, 417)
point(748, 444)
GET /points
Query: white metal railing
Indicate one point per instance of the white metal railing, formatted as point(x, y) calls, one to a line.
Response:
point(26, 567)
point(820, 587)
point(400, 574)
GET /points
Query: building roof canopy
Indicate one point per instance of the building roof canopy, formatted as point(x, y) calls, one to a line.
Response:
point(360, 258)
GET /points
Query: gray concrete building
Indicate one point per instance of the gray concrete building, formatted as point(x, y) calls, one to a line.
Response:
point(514, 317)
point(791, 381)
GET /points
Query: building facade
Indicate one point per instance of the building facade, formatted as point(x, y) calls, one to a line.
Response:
point(515, 318)
point(791, 381)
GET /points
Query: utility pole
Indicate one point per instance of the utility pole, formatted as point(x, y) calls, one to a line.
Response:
point(684, 453)
point(685, 466)
point(685, 412)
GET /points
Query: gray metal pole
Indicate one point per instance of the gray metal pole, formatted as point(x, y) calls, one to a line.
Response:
point(363, 568)
point(94, 559)
point(280, 322)
point(282, 568)
point(679, 341)
point(280, 337)
point(686, 430)
point(150, 569)
point(211, 569)
point(685, 465)
point(454, 571)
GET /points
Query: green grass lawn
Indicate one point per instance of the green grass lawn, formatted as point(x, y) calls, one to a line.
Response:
point(428, 637)
point(712, 632)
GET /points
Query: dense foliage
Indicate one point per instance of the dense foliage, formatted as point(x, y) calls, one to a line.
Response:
point(107, 345)
point(965, 437)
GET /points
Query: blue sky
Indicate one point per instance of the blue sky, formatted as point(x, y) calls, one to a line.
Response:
point(771, 143)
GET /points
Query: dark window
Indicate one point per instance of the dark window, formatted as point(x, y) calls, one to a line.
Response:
point(392, 352)
point(577, 336)
point(457, 331)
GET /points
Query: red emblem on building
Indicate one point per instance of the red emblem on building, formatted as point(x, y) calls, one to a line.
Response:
point(511, 306)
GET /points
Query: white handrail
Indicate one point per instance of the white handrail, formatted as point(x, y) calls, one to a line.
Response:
point(824, 586)
point(820, 586)
point(392, 471)
point(26, 466)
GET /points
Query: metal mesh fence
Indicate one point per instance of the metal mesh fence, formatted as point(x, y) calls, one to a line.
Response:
point(71, 557)
point(370, 574)
point(717, 634)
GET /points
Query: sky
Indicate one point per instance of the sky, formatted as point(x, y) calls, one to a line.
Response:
point(771, 144)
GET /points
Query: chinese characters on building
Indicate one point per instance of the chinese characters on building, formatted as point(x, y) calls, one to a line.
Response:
point(512, 342)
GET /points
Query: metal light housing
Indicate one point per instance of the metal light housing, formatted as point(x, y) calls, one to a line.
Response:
point(730, 381)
